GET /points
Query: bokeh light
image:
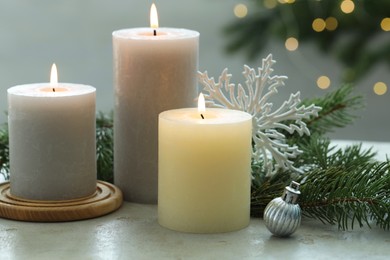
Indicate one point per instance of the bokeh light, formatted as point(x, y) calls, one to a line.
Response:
point(380, 88)
point(240, 10)
point(331, 23)
point(291, 44)
point(318, 24)
point(347, 6)
point(385, 24)
point(323, 82)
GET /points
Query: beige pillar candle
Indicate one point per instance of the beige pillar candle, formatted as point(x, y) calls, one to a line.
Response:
point(152, 73)
point(52, 141)
point(204, 170)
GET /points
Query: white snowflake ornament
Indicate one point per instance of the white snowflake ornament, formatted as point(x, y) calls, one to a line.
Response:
point(270, 145)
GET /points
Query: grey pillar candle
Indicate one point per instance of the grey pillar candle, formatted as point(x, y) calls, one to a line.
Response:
point(152, 73)
point(52, 141)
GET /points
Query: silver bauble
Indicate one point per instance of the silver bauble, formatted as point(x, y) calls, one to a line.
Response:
point(282, 215)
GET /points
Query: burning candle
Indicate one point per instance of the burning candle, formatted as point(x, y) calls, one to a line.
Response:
point(204, 169)
point(52, 140)
point(154, 70)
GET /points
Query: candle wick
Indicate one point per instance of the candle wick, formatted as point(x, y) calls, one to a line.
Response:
point(155, 32)
point(201, 115)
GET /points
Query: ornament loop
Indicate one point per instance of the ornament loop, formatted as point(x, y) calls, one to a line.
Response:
point(291, 193)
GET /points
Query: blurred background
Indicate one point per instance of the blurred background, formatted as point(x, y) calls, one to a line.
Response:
point(318, 44)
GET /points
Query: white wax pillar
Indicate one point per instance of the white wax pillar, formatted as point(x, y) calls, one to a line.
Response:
point(152, 74)
point(204, 170)
point(52, 141)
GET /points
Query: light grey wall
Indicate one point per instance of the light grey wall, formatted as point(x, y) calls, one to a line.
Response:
point(76, 35)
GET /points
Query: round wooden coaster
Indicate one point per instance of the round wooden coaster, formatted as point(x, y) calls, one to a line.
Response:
point(106, 199)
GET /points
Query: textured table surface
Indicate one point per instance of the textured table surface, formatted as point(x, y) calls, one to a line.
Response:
point(132, 232)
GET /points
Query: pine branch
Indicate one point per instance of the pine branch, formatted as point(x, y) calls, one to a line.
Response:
point(344, 186)
point(104, 147)
point(318, 153)
point(4, 152)
point(337, 110)
point(346, 195)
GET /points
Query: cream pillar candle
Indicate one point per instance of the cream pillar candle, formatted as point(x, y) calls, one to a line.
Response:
point(152, 73)
point(52, 141)
point(204, 170)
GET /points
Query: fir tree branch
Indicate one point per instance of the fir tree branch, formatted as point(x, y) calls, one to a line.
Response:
point(318, 153)
point(104, 147)
point(337, 110)
point(346, 195)
point(4, 152)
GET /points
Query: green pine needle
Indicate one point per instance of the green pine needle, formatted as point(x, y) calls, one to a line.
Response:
point(358, 194)
point(104, 147)
point(338, 109)
point(319, 153)
point(4, 152)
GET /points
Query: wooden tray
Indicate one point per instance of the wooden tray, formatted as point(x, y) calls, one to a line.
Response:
point(106, 199)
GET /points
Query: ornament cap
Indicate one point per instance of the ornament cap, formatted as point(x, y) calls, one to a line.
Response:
point(291, 193)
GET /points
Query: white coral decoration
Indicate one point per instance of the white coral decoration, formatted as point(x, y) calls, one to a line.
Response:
point(269, 144)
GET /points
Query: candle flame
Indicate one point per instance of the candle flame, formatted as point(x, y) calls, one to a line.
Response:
point(201, 104)
point(153, 17)
point(53, 76)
